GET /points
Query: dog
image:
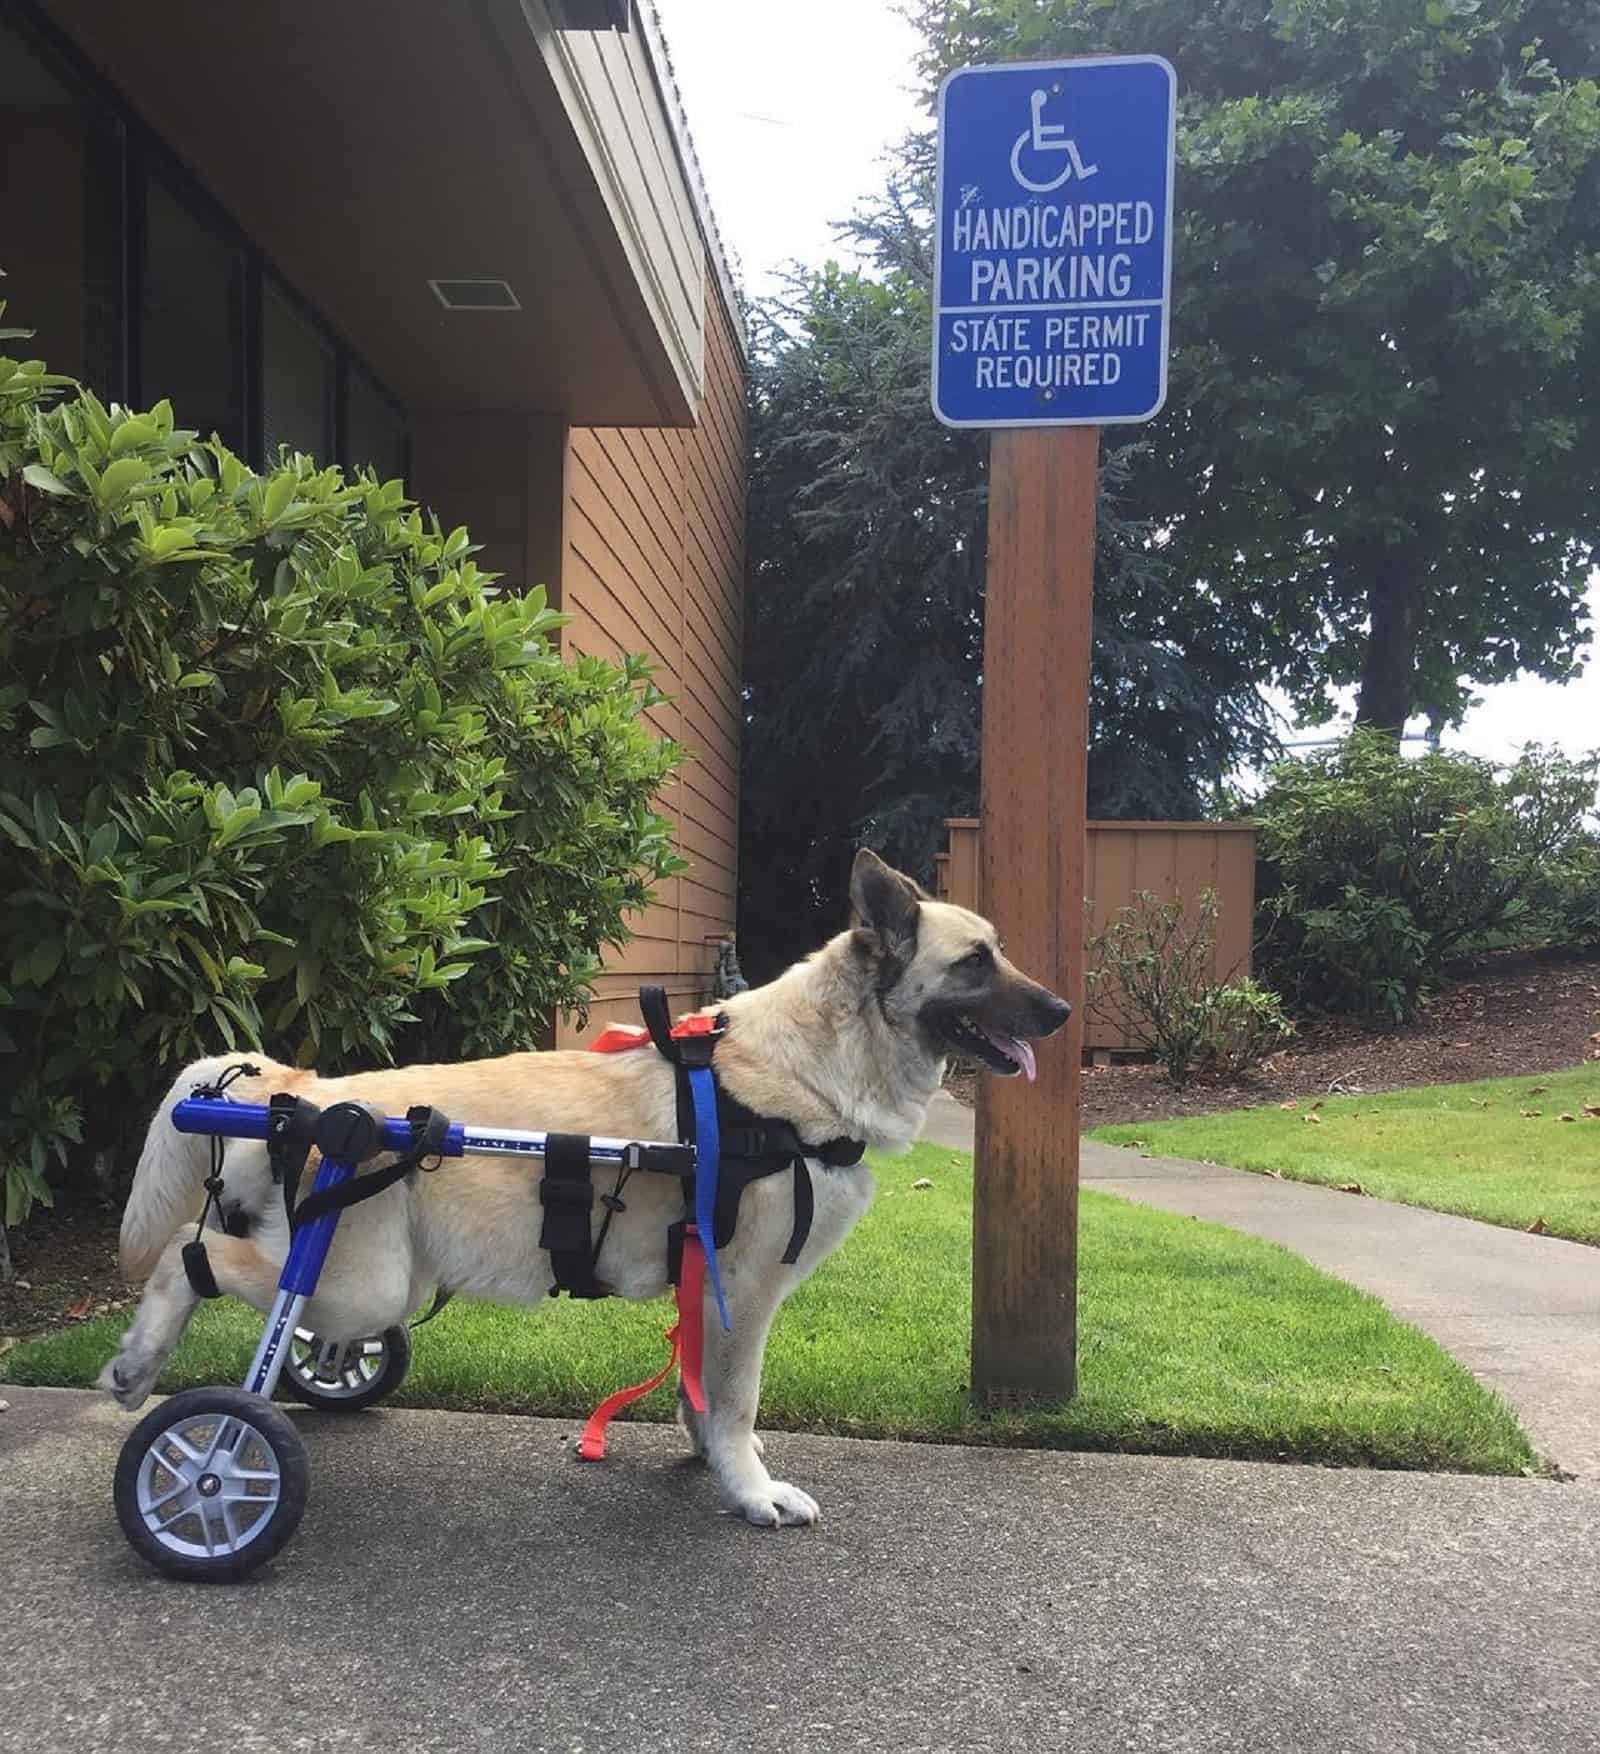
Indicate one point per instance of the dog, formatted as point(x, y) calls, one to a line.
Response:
point(851, 1042)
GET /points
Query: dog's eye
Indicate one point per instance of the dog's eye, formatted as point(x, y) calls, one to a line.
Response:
point(979, 958)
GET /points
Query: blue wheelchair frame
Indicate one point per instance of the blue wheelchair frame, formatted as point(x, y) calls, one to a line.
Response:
point(225, 1119)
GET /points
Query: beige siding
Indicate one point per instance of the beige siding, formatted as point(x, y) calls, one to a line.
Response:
point(654, 562)
point(500, 475)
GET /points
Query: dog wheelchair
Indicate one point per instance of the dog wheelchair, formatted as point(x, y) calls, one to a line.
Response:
point(213, 1481)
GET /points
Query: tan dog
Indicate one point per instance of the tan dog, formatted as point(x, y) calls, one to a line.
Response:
point(852, 1042)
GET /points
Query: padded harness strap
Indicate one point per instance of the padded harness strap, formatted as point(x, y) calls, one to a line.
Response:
point(567, 1195)
point(804, 1207)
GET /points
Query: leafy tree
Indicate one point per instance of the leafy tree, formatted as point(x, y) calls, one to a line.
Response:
point(865, 614)
point(1381, 438)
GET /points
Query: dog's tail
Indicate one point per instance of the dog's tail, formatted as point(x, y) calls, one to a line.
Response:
point(168, 1185)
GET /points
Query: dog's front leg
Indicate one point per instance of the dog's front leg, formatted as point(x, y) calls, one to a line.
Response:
point(725, 1433)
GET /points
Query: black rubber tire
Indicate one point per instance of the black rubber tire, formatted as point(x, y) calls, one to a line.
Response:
point(269, 1533)
point(396, 1362)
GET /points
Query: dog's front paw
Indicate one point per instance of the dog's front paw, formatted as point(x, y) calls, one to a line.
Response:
point(778, 1505)
point(126, 1386)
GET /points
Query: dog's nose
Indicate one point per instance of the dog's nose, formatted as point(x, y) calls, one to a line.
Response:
point(1057, 1011)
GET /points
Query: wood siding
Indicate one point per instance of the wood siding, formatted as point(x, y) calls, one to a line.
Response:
point(653, 561)
point(500, 475)
point(1169, 859)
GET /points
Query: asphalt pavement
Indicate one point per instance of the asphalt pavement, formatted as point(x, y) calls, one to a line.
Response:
point(461, 1582)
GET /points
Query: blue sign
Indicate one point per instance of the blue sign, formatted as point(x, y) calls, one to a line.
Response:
point(1053, 262)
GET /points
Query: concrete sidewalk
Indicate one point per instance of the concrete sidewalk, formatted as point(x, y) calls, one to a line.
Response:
point(461, 1583)
point(1521, 1312)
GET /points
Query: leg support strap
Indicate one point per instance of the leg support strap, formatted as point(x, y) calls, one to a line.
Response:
point(687, 1338)
point(197, 1264)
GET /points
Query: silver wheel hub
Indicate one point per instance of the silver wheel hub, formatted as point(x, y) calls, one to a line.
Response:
point(208, 1485)
point(334, 1370)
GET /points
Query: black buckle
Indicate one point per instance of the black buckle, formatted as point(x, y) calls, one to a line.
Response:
point(667, 1159)
point(428, 1129)
point(695, 1051)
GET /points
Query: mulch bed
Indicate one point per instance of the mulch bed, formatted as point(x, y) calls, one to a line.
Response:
point(66, 1267)
point(1502, 1014)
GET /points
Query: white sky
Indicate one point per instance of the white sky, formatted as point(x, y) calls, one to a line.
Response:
point(791, 107)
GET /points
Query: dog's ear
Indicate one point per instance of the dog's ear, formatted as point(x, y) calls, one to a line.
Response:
point(885, 902)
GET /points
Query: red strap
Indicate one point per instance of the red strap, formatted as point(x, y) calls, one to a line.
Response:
point(622, 1036)
point(691, 1314)
point(687, 1336)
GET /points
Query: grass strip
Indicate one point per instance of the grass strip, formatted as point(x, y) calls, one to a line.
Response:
point(1193, 1340)
point(1510, 1151)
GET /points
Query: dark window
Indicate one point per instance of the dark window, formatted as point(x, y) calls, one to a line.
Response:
point(297, 380)
point(134, 281)
point(375, 430)
point(191, 324)
point(60, 218)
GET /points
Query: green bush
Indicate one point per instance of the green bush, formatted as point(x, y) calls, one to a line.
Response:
point(1245, 1022)
point(1375, 869)
point(1151, 974)
point(278, 767)
point(1570, 896)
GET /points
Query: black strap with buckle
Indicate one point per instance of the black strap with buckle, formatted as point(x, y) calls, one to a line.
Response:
point(428, 1129)
point(291, 1132)
point(567, 1195)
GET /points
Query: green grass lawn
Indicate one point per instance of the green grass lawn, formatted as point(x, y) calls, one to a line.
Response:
point(1499, 1151)
point(1193, 1340)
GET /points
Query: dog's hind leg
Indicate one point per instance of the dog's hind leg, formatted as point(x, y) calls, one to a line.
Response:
point(240, 1268)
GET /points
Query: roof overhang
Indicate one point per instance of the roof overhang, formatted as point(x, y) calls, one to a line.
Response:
point(370, 147)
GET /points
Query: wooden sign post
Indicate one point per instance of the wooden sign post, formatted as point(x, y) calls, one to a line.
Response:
point(1051, 281)
point(1037, 638)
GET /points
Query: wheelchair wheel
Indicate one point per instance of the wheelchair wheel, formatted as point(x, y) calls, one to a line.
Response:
point(345, 1376)
point(211, 1484)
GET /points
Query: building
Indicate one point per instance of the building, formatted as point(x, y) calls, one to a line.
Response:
point(465, 243)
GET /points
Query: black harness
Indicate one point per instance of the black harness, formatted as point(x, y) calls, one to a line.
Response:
point(752, 1146)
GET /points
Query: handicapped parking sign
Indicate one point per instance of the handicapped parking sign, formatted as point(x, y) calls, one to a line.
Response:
point(1052, 265)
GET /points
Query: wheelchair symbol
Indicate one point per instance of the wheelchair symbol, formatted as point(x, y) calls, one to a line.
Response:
point(1046, 136)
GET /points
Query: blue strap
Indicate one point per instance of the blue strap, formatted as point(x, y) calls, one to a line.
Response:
point(707, 1158)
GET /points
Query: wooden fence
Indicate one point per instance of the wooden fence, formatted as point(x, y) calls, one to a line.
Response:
point(1169, 859)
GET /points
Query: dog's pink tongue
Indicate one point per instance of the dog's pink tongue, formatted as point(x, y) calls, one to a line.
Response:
point(1020, 1051)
